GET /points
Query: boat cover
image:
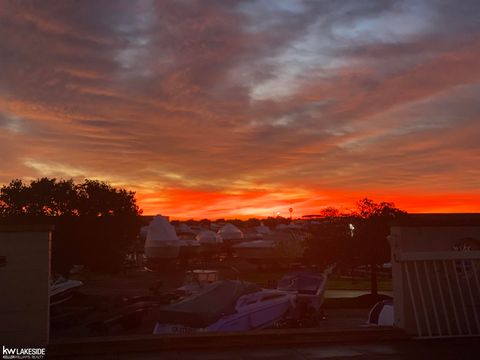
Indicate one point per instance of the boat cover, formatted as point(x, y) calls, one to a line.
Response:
point(208, 237)
point(184, 229)
point(160, 231)
point(302, 282)
point(213, 302)
point(230, 232)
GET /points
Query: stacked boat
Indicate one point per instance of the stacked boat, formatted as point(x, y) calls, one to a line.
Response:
point(189, 246)
point(257, 250)
point(309, 288)
point(275, 246)
point(184, 231)
point(162, 243)
point(231, 234)
point(210, 242)
point(262, 229)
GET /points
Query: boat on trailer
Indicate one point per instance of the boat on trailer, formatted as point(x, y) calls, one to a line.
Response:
point(223, 306)
point(309, 291)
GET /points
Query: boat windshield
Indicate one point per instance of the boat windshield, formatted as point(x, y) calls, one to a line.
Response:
point(303, 283)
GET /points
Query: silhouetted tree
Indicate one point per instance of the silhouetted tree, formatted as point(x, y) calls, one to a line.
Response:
point(205, 223)
point(94, 222)
point(372, 226)
point(238, 223)
point(252, 222)
point(330, 212)
point(329, 243)
point(191, 222)
point(14, 199)
point(272, 222)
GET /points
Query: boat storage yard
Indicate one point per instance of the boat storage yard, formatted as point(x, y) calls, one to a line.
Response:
point(436, 294)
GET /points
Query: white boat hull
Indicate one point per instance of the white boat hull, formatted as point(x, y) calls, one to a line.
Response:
point(167, 252)
point(382, 314)
point(254, 311)
point(255, 319)
point(189, 248)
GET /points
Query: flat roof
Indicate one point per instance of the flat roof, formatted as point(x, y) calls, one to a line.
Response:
point(27, 228)
point(438, 219)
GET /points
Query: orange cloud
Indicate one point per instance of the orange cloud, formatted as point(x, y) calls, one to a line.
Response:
point(224, 109)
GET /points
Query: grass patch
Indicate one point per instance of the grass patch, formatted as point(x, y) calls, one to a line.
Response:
point(357, 284)
point(333, 283)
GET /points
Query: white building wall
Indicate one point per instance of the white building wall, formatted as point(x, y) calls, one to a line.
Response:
point(435, 284)
point(24, 286)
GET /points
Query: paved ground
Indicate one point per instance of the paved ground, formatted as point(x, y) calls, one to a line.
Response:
point(336, 320)
point(456, 349)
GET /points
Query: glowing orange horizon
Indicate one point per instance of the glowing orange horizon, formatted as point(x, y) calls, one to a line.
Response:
point(196, 204)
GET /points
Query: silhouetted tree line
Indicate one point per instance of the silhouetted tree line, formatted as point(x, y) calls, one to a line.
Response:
point(270, 221)
point(94, 222)
point(355, 238)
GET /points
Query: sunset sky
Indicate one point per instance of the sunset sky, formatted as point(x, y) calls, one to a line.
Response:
point(246, 108)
